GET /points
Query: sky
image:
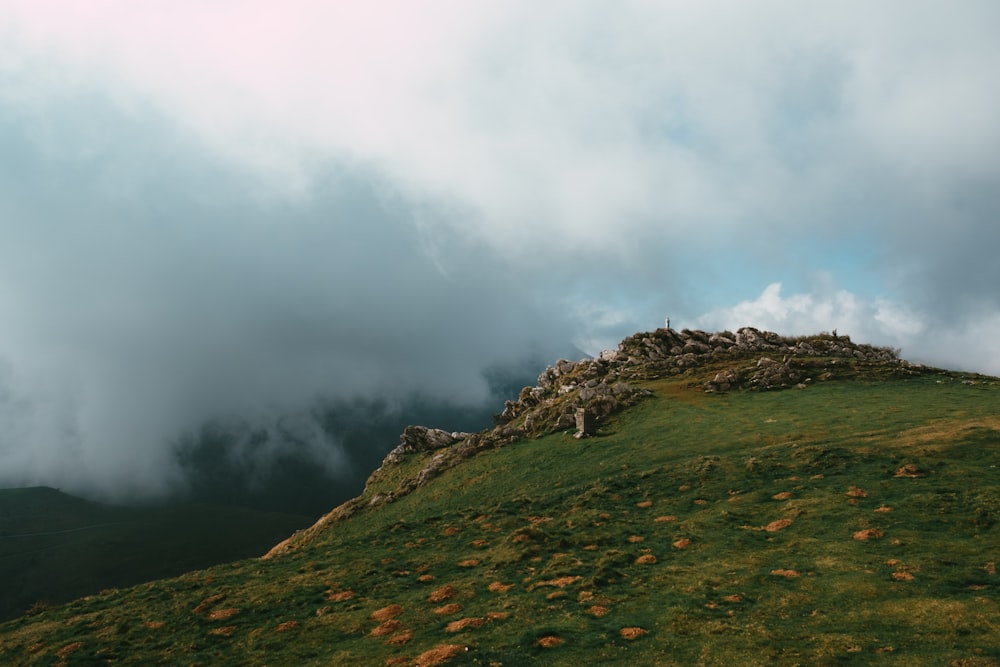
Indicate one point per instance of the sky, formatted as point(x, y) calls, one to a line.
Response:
point(237, 208)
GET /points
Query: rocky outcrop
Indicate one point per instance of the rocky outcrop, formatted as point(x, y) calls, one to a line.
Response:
point(422, 439)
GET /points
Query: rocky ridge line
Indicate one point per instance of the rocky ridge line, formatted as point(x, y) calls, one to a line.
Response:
point(604, 385)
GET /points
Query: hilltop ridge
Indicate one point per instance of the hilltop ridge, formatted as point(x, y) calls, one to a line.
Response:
point(750, 359)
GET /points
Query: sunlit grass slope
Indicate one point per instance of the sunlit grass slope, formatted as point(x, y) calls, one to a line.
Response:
point(853, 522)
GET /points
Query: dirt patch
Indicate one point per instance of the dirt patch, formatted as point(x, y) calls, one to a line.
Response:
point(868, 534)
point(670, 518)
point(788, 574)
point(424, 578)
point(646, 559)
point(479, 544)
point(882, 509)
point(636, 538)
point(902, 576)
point(386, 628)
point(784, 495)
point(286, 626)
point(464, 623)
point(224, 631)
point(775, 526)
point(385, 613)
point(469, 562)
point(447, 609)
point(499, 587)
point(736, 597)
point(597, 611)
point(438, 655)
point(452, 530)
point(856, 492)
point(645, 503)
point(551, 641)
point(497, 615)
point(223, 614)
point(632, 633)
point(682, 543)
point(446, 592)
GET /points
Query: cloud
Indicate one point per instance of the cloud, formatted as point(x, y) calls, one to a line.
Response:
point(237, 207)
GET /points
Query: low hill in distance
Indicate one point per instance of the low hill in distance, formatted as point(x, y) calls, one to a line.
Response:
point(745, 498)
point(55, 547)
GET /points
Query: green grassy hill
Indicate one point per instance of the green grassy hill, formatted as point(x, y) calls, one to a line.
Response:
point(55, 547)
point(714, 519)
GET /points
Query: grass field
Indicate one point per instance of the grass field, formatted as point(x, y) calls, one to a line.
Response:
point(854, 522)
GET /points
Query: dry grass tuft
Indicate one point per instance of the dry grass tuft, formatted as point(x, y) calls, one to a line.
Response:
point(463, 623)
point(208, 602)
point(632, 633)
point(559, 582)
point(446, 592)
point(682, 543)
point(646, 559)
point(499, 587)
point(154, 625)
point(452, 530)
point(775, 526)
point(438, 655)
point(286, 626)
point(551, 641)
point(882, 509)
point(339, 596)
point(386, 628)
point(497, 615)
point(868, 534)
point(469, 562)
point(424, 578)
point(788, 574)
point(479, 544)
point(909, 470)
point(385, 613)
point(645, 503)
point(636, 538)
point(69, 648)
point(597, 611)
point(224, 631)
point(784, 495)
point(400, 638)
point(447, 609)
point(856, 492)
point(223, 614)
point(902, 576)
point(670, 518)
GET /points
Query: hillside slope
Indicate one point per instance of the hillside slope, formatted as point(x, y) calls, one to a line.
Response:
point(853, 520)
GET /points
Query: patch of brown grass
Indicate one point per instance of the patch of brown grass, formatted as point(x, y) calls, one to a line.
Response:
point(909, 470)
point(902, 576)
point(682, 543)
point(339, 596)
point(386, 628)
point(479, 544)
point(223, 614)
point(646, 559)
point(856, 492)
point(775, 526)
point(788, 574)
point(669, 518)
point(154, 625)
point(632, 633)
point(882, 509)
point(424, 578)
point(208, 602)
point(644, 504)
point(400, 638)
point(464, 623)
point(551, 641)
point(497, 615)
point(499, 587)
point(636, 538)
point(452, 530)
point(447, 609)
point(559, 582)
point(446, 592)
point(287, 626)
point(784, 495)
point(868, 534)
point(69, 648)
point(469, 562)
point(224, 631)
point(597, 611)
point(385, 613)
point(438, 655)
